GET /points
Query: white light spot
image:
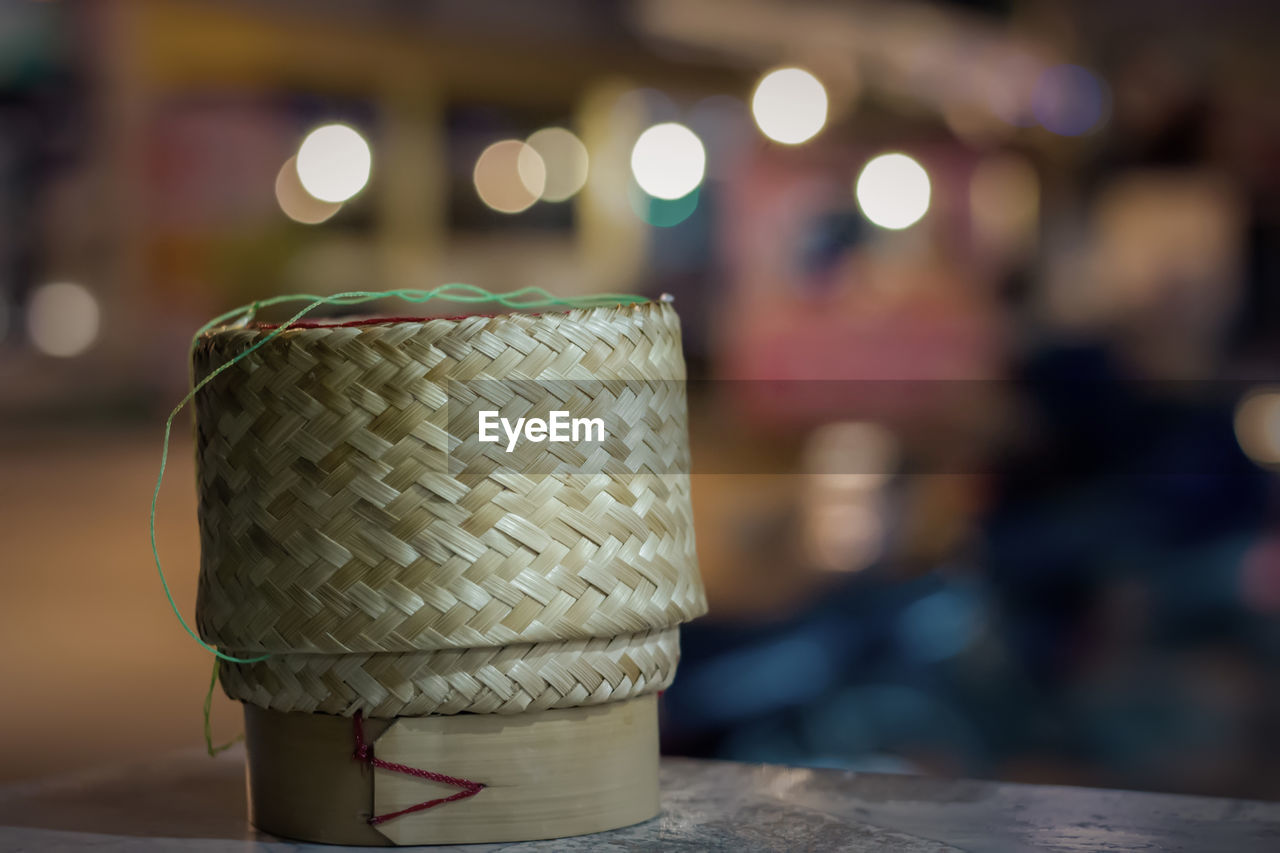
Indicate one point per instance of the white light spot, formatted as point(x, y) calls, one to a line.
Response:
point(565, 158)
point(668, 161)
point(510, 176)
point(790, 105)
point(893, 191)
point(62, 319)
point(334, 162)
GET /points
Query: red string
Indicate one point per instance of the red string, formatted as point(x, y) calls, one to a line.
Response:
point(364, 752)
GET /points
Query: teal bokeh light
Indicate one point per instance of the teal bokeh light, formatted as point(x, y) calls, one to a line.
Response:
point(661, 212)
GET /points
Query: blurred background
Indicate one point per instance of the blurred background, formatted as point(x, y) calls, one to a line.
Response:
point(980, 300)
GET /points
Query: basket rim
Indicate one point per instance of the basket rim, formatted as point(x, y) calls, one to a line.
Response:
point(361, 322)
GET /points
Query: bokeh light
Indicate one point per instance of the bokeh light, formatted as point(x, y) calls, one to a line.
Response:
point(298, 204)
point(668, 161)
point(843, 514)
point(565, 159)
point(662, 212)
point(62, 319)
point(510, 176)
point(1257, 424)
point(893, 191)
point(334, 162)
point(851, 455)
point(789, 105)
point(1069, 100)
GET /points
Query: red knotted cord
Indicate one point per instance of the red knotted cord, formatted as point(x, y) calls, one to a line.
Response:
point(364, 752)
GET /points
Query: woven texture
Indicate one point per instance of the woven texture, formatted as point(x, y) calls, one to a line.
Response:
point(503, 680)
point(350, 522)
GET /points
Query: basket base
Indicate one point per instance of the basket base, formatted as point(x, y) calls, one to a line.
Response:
point(547, 774)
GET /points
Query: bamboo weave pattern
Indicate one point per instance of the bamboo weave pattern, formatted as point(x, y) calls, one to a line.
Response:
point(504, 680)
point(348, 528)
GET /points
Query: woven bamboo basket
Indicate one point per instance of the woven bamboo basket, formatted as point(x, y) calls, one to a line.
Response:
point(461, 604)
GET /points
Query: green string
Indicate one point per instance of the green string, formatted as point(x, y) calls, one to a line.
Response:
point(526, 298)
point(208, 726)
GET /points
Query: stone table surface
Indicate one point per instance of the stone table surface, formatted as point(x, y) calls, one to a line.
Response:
point(189, 802)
